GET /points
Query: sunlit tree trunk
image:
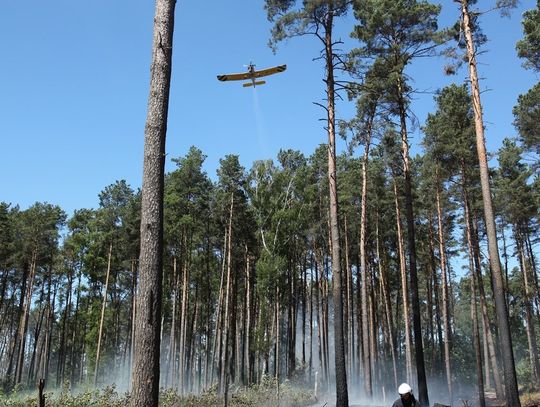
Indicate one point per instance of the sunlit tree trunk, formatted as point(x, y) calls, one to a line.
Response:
point(102, 318)
point(217, 344)
point(224, 376)
point(512, 395)
point(368, 380)
point(171, 356)
point(23, 325)
point(404, 288)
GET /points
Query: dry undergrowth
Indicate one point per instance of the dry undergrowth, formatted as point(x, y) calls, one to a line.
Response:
point(530, 399)
point(263, 395)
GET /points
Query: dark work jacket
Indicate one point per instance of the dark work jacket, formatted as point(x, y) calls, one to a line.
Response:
point(405, 403)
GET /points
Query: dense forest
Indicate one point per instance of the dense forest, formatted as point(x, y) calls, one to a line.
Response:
point(365, 268)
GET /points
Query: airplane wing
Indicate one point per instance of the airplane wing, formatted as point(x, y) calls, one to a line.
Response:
point(270, 71)
point(234, 77)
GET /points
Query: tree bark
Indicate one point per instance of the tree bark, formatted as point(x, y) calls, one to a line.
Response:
point(387, 306)
point(102, 318)
point(445, 284)
point(528, 303)
point(404, 289)
point(23, 325)
point(368, 386)
point(224, 375)
point(423, 398)
point(342, 399)
point(145, 377)
point(512, 394)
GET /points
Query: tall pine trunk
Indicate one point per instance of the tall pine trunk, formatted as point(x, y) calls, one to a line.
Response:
point(102, 318)
point(445, 284)
point(411, 249)
point(404, 288)
point(342, 398)
point(224, 374)
point(528, 303)
point(368, 386)
point(148, 319)
point(512, 395)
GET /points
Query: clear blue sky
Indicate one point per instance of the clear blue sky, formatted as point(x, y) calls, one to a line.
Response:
point(74, 84)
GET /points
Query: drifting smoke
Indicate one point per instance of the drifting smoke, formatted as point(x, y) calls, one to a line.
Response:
point(260, 125)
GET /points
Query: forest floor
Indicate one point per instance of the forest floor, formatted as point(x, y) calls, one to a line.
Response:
point(256, 396)
point(263, 395)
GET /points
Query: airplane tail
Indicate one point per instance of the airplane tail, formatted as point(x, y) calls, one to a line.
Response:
point(248, 84)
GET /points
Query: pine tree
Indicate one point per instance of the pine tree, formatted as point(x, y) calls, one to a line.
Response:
point(317, 18)
point(148, 323)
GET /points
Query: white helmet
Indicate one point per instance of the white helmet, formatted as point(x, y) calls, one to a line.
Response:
point(404, 388)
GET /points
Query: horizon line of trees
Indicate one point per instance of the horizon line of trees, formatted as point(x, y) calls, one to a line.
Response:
point(248, 257)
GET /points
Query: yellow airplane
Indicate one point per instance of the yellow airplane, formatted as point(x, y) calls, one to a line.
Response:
point(252, 74)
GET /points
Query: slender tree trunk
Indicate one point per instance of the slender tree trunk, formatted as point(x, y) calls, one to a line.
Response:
point(216, 347)
point(102, 318)
point(342, 399)
point(326, 316)
point(23, 325)
point(304, 310)
point(373, 348)
point(491, 356)
point(476, 338)
point(318, 316)
point(278, 338)
point(133, 318)
point(430, 294)
point(350, 321)
point(423, 397)
point(474, 314)
point(171, 357)
point(75, 358)
point(37, 331)
point(510, 379)
point(436, 295)
point(49, 336)
point(348, 310)
point(404, 289)
point(311, 285)
point(528, 303)
point(247, 343)
point(368, 385)
point(184, 311)
point(224, 376)
point(147, 339)
point(532, 260)
point(445, 284)
point(387, 306)
point(485, 312)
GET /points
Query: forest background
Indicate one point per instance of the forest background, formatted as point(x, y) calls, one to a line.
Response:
point(57, 269)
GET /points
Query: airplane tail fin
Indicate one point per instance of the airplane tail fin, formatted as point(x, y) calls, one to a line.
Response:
point(248, 84)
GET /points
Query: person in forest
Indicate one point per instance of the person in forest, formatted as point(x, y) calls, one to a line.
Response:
point(406, 397)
